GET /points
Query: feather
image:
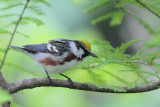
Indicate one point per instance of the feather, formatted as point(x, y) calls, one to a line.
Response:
point(36, 48)
point(33, 48)
point(15, 47)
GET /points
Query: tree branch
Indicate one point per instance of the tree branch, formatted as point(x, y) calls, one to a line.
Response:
point(40, 82)
point(6, 104)
point(142, 4)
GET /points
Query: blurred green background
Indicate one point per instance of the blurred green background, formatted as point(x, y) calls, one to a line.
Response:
point(67, 19)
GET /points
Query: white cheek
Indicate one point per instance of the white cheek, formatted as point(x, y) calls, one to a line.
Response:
point(73, 48)
point(80, 52)
point(49, 47)
point(55, 49)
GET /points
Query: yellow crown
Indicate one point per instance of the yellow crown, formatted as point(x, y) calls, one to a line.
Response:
point(86, 43)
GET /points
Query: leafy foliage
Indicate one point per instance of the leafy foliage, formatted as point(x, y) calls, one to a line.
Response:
point(12, 6)
point(19, 68)
point(114, 20)
point(4, 96)
point(34, 8)
point(108, 55)
point(124, 62)
point(119, 11)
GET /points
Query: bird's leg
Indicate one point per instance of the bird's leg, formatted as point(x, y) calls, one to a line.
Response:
point(70, 81)
point(48, 77)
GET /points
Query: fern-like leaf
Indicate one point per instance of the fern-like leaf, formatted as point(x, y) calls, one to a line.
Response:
point(22, 34)
point(36, 10)
point(12, 6)
point(101, 4)
point(116, 18)
point(8, 15)
point(3, 31)
point(41, 1)
point(4, 96)
point(21, 69)
point(34, 20)
point(124, 46)
point(146, 72)
point(26, 20)
point(2, 50)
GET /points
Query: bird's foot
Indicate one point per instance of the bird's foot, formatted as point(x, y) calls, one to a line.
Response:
point(70, 81)
point(49, 80)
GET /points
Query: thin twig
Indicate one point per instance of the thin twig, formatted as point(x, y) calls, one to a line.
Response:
point(14, 31)
point(142, 4)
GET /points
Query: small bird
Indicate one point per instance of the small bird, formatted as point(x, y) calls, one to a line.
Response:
point(58, 55)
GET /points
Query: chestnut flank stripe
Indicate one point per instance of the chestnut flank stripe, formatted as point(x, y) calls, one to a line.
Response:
point(49, 61)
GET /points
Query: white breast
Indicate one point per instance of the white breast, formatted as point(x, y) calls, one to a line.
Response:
point(61, 68)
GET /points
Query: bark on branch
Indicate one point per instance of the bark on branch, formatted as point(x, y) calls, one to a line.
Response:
point(40, 82)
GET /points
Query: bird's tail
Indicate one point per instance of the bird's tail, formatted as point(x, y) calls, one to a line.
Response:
point(15, 47)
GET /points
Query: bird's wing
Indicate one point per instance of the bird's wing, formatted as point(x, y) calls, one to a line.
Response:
point(55, 48)
point(58, 48)
point(33, 48)
point(36, 48)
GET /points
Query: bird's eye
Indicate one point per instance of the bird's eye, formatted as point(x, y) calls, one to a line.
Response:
point(60, 46)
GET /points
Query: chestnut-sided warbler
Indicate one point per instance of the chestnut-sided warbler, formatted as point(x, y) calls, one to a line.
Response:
point(58, 55)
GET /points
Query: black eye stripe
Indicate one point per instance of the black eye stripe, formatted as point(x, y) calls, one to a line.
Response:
point(86, 53)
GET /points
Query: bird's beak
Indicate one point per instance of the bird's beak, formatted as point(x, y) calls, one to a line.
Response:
point(92, 54)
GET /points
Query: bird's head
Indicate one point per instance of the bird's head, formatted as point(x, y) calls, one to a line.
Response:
point(80, 48)
point(85, 46)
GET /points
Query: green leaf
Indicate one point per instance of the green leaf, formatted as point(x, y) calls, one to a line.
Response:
point(42, 1)
point(116, 18)
point(102, 18)
point(123, 3)
point(26, 20)
point(12, 6)
point(10, 1)
point(102, 3)
point(13, 104)
point(4, 96)
point(8, 15)
point(142, 22)
point(33, 20)
point(146, 72)
point(36, 10)
point(146, 26)
point(22, 34)
point(21, 69)
point(124, 46)
point(3, 31)
point(2, 50)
